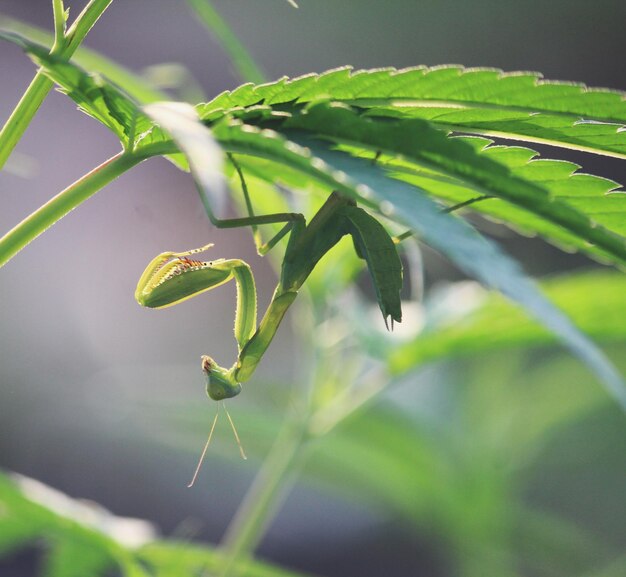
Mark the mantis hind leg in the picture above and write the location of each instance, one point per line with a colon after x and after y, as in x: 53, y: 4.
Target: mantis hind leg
x: 246, y: 195
x: 252, y: 220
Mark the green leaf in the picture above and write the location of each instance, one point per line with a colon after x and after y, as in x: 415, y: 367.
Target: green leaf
x: 373, y: 243
x: 76, y: 548
x: 99, y: 99
x: 518, y: 105
x: 595, y: 301
x: 546, y: 540
x: 77, y: 557
x: 205, y: 156
x: 416, y: 141
x: 171, y: 559
x: 94, y: 95
x: 593, y: 196
x: 456, y: 480
x: 550, y: 199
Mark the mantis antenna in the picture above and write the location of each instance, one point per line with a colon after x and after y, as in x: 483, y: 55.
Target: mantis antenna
x: 232, y: 424
x: 208, y: 442
x: 206, y: 447
x: 173, y: 277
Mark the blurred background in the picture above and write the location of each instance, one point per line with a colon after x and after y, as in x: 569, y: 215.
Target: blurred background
x: 105, y: 401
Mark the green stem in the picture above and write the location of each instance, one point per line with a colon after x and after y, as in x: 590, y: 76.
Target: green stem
x: 38, y: 89
x: 57, y: 207
x: 23, y: 113
x: 265, y: 496
x: 83, y: 24
x: 59, y: 25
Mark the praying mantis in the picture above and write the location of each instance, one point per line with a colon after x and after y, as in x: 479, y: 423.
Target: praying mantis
x: 172, y: 277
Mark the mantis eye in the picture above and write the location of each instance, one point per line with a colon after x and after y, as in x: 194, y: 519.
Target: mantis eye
x: 207, y: 364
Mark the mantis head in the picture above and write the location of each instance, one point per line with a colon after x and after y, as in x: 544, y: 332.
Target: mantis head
x: 220, y: 383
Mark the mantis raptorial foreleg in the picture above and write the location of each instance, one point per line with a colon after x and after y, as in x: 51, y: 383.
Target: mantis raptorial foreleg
x: 173, y: 277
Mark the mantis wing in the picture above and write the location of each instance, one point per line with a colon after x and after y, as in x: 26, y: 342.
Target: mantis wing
x: 373, y: 244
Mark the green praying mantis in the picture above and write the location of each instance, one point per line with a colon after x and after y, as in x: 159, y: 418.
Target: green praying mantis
x: 173, y: 277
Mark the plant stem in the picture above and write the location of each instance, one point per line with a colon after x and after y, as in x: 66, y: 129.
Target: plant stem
x: 22, y: 114
x: 59, y: 25
x: 38, y: 89
x: 264, y: 497
x: 57, y: 207
x: 83, y: 24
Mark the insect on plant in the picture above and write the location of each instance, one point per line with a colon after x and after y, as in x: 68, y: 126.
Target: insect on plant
x: 408, y: 144
x: 173, y: 277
